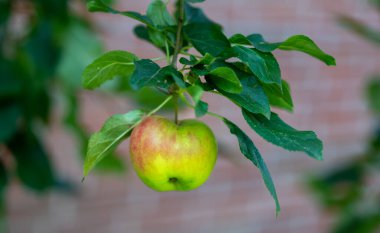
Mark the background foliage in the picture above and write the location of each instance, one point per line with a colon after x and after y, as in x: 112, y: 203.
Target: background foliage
x: 348, y: 190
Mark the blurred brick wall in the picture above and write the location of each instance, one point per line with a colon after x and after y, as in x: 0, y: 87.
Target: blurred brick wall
x: 327, y: 99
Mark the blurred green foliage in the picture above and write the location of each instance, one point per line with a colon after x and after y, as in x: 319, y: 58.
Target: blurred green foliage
x: 44, y: 47
x: 348, y: 190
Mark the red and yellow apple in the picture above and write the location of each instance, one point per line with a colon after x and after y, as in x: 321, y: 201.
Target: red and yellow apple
x: 173, y: 157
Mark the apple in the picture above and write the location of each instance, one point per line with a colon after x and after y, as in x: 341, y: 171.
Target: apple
x: 173, y: 157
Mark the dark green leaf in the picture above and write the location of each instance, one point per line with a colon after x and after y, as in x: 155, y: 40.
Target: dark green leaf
x: 279, y: 133
x: 201, y: 109
x: 279, y: 97
x: 252, y: 98
x: 196, y: 93
x: 9, y: 115
x: 100, y: 6
x: 258, y: 41
x: 108, y: 66
x: 114, y: 131
x: 145, y: 71
x: 207, y: 38
x: 3, y: 180
x: 239, y: 39
x: 226, y: 79
x: 158, y: 14
x: 167, y: 76
x: 196, y: 15
x: 249, y: 150
x: 264, y: 66
x: 373, y: 95
x: 33, y: 167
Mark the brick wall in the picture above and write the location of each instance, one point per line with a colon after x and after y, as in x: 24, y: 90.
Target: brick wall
x: 328, y: 100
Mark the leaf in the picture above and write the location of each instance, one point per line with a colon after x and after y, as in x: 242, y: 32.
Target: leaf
x: 265, y: 67
x: 108, y: 66
x: 170, y: 75
x: 196, y: 93
x: 111, y: 163
x: 9, y: 115
x: 144, y: 73
x: 201, y: 109
x: 159, y: 15
x: 305, y: 44
x: 360, y: 29
x: 194, y: 1
x: 33, y: 167
x: 279, y: 97
x: 196, y: 15
x: 279, y: 133
x: 239, y: 39
x: 373, y: 95
x: 116, y: 129
x: 100, y: 6
x: 226, y: 79
x: 299, y: 43
x: 249, y: 150
x: 4, y: 179
x: 80, y: 48
x: 207, y: 38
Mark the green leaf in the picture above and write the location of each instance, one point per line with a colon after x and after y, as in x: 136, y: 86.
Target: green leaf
x: 373, y: 95
x: 4, y: 179
x: 279, y: 97
x: 196, y: 93
x: 80, y: 48
x: 252, y: 97
x: 33, y: 167
x: 258, y: 41
x: 249, y: 150
x: 196, y: 15
x: 144, y: 73
x: 360, y: 29
x: 100, y: 6
x: 111, y: 163
x: 226, y: 79
x: 170, y: 75
x: 201, y: 109
x: 9, y: 115
x: 159, y: 15
x: 108, y: 66
x: 194, y: 1
x: 264, y: 66
x: 299, y: 43
x: 207, y: 38
x: 279, y: 133
x: 114, y: 131
x: 305, y: 44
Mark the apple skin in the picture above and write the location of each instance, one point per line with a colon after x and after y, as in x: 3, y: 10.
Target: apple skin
x: 171, y: 157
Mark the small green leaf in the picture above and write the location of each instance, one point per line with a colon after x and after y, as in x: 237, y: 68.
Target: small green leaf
x: 201, y: 109
x: 144, y: 73
x: 108, y: 66
x: 168, y: 75
x: 196, y: 93
x: 249, y: 150
x: 114, y: 131
x: 279, y: 97
x: 100, y: 6
x: 373, y: 95
x: 159, y: 15
x: 207, y: 38
x: 305, y: 44
x: 226, y: 79
x: 279, y: 133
